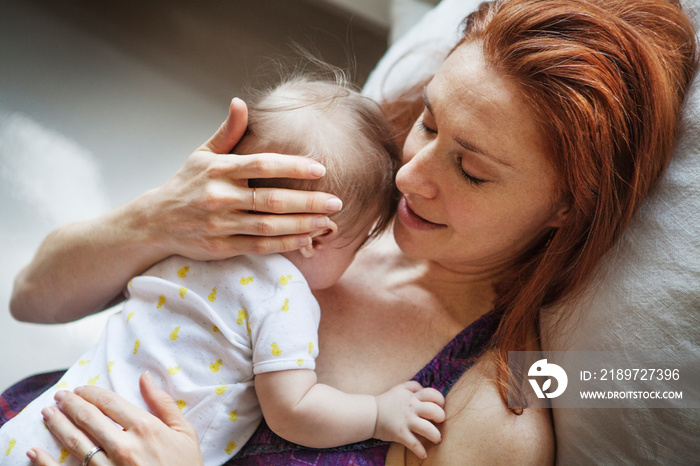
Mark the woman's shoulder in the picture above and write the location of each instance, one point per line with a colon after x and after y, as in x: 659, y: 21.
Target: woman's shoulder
x: 479, y: 429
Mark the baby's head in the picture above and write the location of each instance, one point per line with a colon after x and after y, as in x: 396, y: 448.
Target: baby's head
x: 348, y: 134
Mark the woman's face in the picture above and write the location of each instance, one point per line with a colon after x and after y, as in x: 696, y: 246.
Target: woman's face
x: 477, y: 186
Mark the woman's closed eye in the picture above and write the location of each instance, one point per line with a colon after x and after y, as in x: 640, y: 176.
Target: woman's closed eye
x: 468, y: 176
x: 471, y: 178
x: 424, y: 128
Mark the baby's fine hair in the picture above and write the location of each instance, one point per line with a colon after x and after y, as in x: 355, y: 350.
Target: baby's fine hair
x: 330, y: 122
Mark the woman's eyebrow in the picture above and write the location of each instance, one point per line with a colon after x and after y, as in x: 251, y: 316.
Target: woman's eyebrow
x: 465, y: 144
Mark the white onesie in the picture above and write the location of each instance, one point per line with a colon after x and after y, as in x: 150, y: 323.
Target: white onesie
x: 203, y: 330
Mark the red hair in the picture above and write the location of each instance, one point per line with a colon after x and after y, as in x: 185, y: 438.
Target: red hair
x: 606, y: 80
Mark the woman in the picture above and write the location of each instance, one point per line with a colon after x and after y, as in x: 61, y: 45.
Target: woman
x: 534, y: 144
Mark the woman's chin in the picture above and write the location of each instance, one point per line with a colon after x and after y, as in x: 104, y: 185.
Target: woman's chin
x: 411, y: 244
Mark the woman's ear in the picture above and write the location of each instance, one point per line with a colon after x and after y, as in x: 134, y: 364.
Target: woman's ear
x: 558, y: 218
x: 319, y: 240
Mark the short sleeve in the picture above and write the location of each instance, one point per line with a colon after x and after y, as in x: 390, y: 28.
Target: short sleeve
x: 284, y: 330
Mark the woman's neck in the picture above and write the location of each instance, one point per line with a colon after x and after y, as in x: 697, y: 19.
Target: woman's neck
x: 464, y: 295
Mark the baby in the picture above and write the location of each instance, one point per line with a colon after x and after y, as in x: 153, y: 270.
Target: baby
x: 236, y: 338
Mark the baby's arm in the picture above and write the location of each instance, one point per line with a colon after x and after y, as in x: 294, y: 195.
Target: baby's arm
x: 303, y: 411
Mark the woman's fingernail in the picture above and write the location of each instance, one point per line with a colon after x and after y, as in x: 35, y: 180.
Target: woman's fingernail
x: 334, y: 205
x: 317, y: 169
x: 31, y: 454
x: 304, y: 241
x: 148, y: 377
x: 59, y: 395
x: 321, y: 222
x: 47, y: 412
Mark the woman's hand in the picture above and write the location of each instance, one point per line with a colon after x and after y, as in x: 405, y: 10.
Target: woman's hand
x: 164, y: 438
x: 204, y: 210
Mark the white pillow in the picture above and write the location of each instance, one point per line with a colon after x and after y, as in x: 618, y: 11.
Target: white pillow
x: 649, y: 293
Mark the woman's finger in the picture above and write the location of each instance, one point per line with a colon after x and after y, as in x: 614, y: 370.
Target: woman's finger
x: 230, y: 131
x: 41, y: 458
x: 94, y: 404
x: 237, y: 223
x: 271, y: 165
x: 286, y: 201
x: 162, y: 405
x: 76, y: 441
x: 263, y: 245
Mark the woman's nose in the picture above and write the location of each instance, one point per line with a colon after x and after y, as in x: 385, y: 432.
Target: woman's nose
x: 417, y: 175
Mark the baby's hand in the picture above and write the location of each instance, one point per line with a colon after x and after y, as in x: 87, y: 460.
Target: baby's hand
x: 407, y: 410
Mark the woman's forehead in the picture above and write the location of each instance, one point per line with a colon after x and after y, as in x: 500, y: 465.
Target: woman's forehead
x: 476, y: 103
x: 464, y: 81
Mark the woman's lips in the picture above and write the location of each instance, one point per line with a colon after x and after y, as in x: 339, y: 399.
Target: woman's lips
x: 412, y: 220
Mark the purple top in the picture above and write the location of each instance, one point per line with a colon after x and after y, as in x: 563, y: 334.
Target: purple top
x: 266, y: 448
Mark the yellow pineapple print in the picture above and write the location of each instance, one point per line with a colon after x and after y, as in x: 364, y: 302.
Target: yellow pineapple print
x: 233, y: 416
x: 219, y: 390
x: 311, y: 346
x: 83, y: 362
x: 60, y: 385
x: 110, y: 364
x: 246, y: 280
x: 181, y: 404
x: 172, y: 370
x: 161, y: 301
x: 173, y: 334
x: 64, y: 455
x: 285, y: 279
x: 285, y: 306
x: 129, y: 316
x: 182, y: 273
x: 242, y: 315
x: 212, y: 295
x: 183, y: 292
x: 93, y: 380
x: 137, y: 343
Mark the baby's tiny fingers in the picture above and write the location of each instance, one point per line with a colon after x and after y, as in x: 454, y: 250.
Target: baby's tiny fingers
x: 412, y: 386
x: 412, y: 443
x: 431, y: 395
x: 431, y: 412
x: 428, y: 430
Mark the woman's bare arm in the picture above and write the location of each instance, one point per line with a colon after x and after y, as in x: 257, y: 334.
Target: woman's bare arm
x: 201, y: 212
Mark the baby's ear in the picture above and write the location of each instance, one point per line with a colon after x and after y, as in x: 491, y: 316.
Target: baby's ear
x: 320, y: 240
x: 308, y: 250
